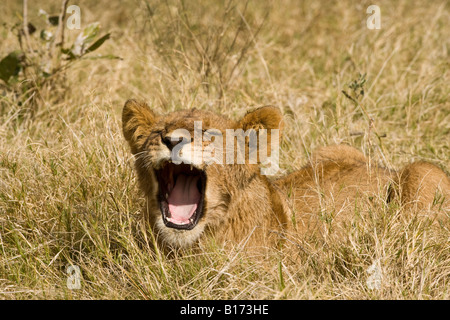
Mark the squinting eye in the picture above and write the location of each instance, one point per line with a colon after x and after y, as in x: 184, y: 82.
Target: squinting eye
x: 212, y: 132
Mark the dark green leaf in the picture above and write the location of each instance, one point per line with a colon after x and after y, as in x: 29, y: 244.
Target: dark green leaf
x: 98, y: 43
x: 69, y: 53
x: 54, y: 20
x: 10, y: 66
x: 31, y: 28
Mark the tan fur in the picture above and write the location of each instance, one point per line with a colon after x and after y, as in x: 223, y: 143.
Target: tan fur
x: 243, y: 205
x: 421, y: 185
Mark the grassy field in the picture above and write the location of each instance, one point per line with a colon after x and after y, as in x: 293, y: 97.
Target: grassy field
x: 68, y: 193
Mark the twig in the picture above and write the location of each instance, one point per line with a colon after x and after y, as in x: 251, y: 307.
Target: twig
x: 59, y: 36
x: 25, y: 22
x: 29, y: 51
x: 357, y: 103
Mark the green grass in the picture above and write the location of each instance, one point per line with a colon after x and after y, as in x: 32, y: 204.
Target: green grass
x: 68, y: 193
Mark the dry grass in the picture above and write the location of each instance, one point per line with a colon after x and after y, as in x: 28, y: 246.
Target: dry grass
x: 68, y: 193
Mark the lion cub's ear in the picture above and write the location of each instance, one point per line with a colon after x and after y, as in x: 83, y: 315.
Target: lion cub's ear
x: 137, y: 121
x: 267, y: 117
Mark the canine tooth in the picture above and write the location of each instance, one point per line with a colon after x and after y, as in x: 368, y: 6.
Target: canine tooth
x: 167, y: 195
x: 191, y: 167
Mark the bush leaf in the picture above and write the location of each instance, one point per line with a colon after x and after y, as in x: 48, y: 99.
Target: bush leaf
x: 86, y: 36
x: 53, y: 20
x: 98, y: 43
x: 106, y: 56
x: 10, y: 66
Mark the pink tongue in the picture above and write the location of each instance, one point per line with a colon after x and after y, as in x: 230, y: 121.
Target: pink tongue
x: 183, y: 199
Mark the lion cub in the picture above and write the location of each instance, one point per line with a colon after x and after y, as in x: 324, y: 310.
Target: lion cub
x: 192, y: 191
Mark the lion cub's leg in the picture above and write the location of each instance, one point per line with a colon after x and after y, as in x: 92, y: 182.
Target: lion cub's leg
x: 422, y: 185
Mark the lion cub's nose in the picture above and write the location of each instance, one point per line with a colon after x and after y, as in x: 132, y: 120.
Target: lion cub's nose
x: 171, y: 143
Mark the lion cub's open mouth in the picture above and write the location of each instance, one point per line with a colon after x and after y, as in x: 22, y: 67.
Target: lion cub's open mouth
x: 181, y: 194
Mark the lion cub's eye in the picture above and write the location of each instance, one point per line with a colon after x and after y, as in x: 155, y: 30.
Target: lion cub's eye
x: 169, y: 142
x: 211, y: 133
